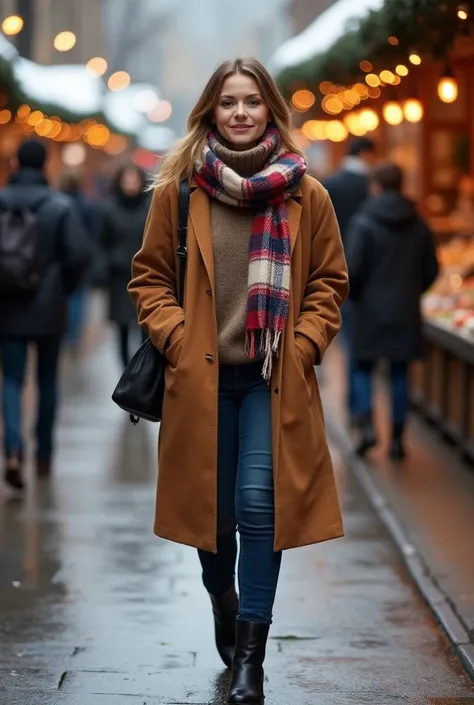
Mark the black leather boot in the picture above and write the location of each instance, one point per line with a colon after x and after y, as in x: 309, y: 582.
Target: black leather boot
x: 225, y: 608
x: 367, y: 435
x: 397, y: 449
x: 246, y: 686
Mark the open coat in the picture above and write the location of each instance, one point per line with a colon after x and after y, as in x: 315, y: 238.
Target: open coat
x: 306, y: 503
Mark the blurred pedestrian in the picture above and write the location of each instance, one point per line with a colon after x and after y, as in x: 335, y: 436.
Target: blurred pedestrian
x: 122, y: 232
x: 43, y: 256
x: 348, y: 189
x: 242, y: 442
x: 392, y: 260
x: 71, y: 183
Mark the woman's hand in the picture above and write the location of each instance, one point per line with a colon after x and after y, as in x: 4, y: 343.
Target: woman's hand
x: 173, y: 350
x: 307, y: 351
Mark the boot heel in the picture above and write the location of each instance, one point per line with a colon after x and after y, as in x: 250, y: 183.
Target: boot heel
x: 246, y: 687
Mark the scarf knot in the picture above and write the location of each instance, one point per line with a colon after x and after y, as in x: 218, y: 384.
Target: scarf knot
x: 269, y: 250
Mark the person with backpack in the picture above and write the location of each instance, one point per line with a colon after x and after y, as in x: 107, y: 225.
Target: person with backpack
x: 392, y: 260
x: 42, y: 261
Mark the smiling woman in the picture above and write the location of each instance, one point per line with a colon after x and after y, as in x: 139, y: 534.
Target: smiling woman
x: 242, y: 445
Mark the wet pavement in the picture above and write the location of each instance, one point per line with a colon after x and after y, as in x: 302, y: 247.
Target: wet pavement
x: 431, y: 493
x: 95, y: 610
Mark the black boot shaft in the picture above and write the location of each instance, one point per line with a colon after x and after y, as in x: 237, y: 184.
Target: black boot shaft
x: 225, y: 609
x: 247, y: 668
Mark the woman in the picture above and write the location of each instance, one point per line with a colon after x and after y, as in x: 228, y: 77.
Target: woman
x: 242, y: 442
x: 392, y: 261
x: 122, y: 232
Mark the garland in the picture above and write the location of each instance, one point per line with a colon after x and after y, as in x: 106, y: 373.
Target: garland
x: 429, y: 27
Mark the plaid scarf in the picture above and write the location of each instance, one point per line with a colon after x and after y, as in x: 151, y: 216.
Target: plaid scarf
x: 269, y: 249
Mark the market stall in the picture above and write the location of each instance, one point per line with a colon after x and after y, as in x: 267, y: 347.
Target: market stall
x: 403, y: 72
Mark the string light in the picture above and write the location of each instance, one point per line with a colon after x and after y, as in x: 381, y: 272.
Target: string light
x: 64, y: 41
x: 463, y: 12
x: 12, y: 25
x: 119, y: 80
x: 413, y: 110
x: 448, y: 89
x: 372, y: 80
x: 303, y: 99
x: 97, y: 66
x: 392, y: 113
x: 415, y: 59
x: 336, y: 131
x: 402, y: 70
x: 369, y: 119
x: 387, y: 76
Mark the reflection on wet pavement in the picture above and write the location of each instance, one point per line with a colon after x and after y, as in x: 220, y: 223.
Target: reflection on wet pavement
x: 95, y: 610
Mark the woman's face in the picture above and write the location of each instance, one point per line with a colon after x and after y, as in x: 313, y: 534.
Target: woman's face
x: 131, y: 183
x: 241, y: 115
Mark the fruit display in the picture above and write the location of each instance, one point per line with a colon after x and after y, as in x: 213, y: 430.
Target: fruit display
x: 450, y: 301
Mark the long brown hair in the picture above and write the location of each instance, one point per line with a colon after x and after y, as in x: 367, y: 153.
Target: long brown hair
x: 179, y: 164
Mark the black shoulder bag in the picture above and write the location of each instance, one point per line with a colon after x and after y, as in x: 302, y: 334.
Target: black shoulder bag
x: 141, y: 388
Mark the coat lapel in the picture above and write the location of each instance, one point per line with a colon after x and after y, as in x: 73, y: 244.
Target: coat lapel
x: 293, y: 210
x: 200, y: 214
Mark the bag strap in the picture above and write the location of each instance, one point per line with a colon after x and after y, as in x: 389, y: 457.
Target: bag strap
x: 182, y: 250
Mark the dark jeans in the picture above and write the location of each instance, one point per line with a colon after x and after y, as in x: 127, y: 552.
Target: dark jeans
x: 245, y: 494
x: 13, y: 357
x: 124, y: 341
x: 363, y: 381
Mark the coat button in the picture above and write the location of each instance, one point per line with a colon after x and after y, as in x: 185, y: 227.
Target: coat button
x: 208, y: 292
x: 209, y: 357
x: 277, y: 390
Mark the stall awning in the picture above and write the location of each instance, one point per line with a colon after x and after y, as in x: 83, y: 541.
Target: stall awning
x: 328, y: 28
x: 70, y: 88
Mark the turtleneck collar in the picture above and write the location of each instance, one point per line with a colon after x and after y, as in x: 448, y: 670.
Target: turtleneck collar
x: 245, y: 163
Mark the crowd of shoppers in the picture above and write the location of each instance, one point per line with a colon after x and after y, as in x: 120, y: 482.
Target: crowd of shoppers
x: 54, y: 246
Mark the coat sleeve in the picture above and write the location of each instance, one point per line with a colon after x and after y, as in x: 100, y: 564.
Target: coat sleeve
x: 327, y: 284
x: 357, y: 254
x: 153, y: 285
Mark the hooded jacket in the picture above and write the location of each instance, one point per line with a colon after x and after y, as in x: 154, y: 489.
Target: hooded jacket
x: 392, y: 260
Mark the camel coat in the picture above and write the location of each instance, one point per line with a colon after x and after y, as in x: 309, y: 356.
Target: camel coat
x: 306, y: 503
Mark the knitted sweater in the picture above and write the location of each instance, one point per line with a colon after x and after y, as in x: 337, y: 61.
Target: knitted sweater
x: 231, y: 229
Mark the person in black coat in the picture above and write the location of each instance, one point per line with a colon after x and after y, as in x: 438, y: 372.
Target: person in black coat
x: 348, y: 189
x: 392, y: 260
x: 349, y: 186
x: 63, y: 252
x: 71, y: 183
x: 123, y: 225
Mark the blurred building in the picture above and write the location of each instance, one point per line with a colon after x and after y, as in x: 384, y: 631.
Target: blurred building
x: 303, y: 12
x: 45, y: 19
x: 178, y: 44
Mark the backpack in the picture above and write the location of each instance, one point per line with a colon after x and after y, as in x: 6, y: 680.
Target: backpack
x: 19, y: 251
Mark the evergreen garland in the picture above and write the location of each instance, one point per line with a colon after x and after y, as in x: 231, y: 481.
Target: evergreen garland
x: 429, y: 27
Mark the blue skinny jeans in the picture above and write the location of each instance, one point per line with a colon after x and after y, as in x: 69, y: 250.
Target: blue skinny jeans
x: 245, y: 495
x: 399, y: 382
x: 13, y: 360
